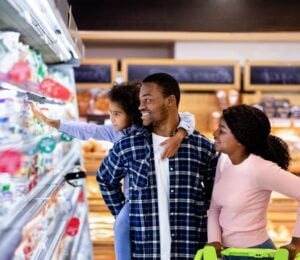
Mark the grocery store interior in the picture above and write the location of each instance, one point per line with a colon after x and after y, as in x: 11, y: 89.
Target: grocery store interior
x: 64, y: 56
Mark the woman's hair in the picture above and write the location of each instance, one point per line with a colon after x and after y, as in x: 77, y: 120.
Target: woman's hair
x: 127, y: 96
x: 251, y: 127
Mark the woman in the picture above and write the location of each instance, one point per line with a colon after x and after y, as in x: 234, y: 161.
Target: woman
x: 253, y: 163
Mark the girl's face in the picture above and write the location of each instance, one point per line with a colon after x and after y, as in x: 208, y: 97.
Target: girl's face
x: 118, y: 117
x: 225, y: 141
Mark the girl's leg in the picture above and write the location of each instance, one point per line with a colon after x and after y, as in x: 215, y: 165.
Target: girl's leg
x: 122, y: 234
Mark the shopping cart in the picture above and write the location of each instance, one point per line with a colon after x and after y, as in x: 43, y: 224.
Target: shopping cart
x: 209, y: 253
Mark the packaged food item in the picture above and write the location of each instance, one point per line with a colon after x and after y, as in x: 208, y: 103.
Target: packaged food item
x: 101, y: 103
x: 84, y: 99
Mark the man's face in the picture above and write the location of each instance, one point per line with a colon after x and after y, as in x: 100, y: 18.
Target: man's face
x: 153, y: 105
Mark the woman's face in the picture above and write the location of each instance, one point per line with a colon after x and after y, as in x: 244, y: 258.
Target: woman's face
x: 119, y: 119
x: 225, y: 141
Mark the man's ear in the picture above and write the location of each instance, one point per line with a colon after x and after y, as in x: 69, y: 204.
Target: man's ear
x: 171, y: 100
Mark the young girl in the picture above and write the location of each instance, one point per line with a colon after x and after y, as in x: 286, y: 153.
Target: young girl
x: 253, y: 163
x: 125, y: 116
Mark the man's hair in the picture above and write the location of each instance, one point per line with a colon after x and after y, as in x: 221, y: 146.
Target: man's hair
x: 167, y: 83
x: 127, y: 96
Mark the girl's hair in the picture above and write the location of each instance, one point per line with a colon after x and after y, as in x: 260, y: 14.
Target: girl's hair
x: 127, y: 96
x: 251, y: 127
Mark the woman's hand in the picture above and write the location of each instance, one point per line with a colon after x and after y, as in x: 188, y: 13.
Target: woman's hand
x: 293, y: 247
x: 218, y: 246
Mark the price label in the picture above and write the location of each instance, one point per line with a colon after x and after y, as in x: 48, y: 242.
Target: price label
x: 72, y: 227
x: 47, y: 144
x: 66, y: 138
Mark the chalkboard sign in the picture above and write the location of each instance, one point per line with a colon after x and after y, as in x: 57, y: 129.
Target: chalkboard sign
x: 96, y: 73
x: 93, y: 74
x: 272, y: 76
x: 190, y: 74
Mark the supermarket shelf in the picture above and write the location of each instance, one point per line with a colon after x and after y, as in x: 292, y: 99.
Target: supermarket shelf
x: 42, y: 27
x: 35, y: 200
x: 47, y: 250
x: 93, y: 85
x: 76, y: 244
x: 30, y: 89
x: 28, y: 144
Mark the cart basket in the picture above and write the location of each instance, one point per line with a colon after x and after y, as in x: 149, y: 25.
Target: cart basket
x: 209, y: 253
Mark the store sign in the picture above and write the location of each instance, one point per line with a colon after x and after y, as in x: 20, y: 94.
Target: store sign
x: 191, y: 75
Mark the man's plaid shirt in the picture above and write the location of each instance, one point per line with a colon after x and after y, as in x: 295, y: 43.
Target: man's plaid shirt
x: 191, y: 171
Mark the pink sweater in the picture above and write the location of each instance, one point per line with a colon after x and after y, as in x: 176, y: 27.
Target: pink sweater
x: 238, y: 212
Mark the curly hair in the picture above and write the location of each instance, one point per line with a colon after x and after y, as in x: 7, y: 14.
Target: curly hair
x: 127, y: 96
x: 251, y: 127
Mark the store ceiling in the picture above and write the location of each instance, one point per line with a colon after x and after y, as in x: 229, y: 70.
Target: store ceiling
x: 189, y: 16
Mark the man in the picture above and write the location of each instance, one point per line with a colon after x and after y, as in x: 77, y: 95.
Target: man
x: 168, y: 198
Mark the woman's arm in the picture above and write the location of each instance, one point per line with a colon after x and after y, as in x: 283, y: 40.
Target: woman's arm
x: 214, y: 230
x: 274, y: 178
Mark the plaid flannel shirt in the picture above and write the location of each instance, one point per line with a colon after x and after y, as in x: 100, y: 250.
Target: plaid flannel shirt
x: 191, y: 171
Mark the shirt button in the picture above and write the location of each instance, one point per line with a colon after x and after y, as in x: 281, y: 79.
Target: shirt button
x: 172, y: 190
x: 173, y: 235
x: 172, y: 213
x: 171, y: 169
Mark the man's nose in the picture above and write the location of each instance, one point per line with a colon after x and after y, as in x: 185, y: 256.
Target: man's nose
x: 141, y: 106
x: 215, y: 133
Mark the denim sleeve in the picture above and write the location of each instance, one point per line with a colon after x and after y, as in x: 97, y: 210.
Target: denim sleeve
x: 84, y: 131
x: 187, y: 122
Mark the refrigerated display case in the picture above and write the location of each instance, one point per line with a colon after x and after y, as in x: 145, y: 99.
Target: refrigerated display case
x: 37, y: 204
x: 43, y: 205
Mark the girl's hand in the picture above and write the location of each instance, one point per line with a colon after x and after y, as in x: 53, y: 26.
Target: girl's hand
x: 40, y: 116
x: 172, y: 144
x: 218, y: 246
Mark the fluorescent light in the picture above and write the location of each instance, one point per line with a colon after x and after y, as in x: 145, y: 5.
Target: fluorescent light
x: 45, y: 21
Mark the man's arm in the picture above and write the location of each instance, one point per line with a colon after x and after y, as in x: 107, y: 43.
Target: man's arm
x: 109, y: 177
